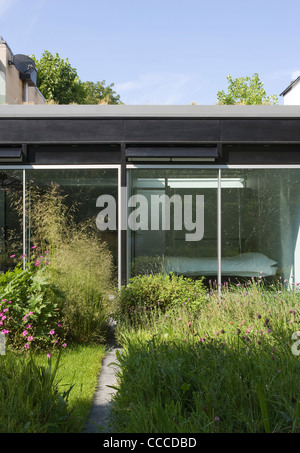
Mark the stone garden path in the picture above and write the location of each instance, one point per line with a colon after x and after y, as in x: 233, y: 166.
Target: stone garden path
x: 98, y: 420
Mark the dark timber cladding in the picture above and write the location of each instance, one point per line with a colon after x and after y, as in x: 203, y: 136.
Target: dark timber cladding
x: 101, y: 134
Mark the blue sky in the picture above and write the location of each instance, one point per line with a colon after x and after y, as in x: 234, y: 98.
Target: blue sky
x: 162, y: 51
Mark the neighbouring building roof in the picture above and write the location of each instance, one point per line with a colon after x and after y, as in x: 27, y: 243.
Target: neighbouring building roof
x: 290, y: 86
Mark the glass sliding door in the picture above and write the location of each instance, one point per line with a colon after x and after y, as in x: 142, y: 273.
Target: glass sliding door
x: 11, y: 216
x: 60, y: 197
x: 260, y: 223
x: 172, y: 222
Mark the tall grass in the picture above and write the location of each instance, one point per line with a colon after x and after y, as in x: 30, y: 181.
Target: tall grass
x: 29, y: 397
x: 85, y: 271
x: 225, y: 367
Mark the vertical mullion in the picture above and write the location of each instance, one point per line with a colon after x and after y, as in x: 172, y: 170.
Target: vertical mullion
x: 123, y: 217
x: 219, y: 220
x: 119, y: 228
x: 24, y: 218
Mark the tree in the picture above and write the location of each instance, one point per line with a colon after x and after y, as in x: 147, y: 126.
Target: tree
x: 58, y: 82
x: 98, y: 93
x: 245, y: 91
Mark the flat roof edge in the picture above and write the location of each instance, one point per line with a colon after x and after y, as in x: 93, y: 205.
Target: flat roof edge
x: 149, y: 111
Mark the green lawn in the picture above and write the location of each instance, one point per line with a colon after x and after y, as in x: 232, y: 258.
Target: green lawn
x: 32, y: 390
x: 79, y: 366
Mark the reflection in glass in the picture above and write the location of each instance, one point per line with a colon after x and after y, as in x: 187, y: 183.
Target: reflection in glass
x: 11, y: 193
x: 69, y: 194
x: 260, y: 224
x: 176, y: 222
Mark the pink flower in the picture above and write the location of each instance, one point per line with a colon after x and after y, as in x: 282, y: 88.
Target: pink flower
x: 30, y: 338
x: 30, y: 313
x: 24, y: 333
x: 5, y: 309
x: 59, y: 325
x: 28, y: 327
x: 34, y: 247
x: 3, y: 317
x: 26, y: 346
x: 52, y: 332
x: 47, y: 251
x: 9, y: 301
x: 64, y: 345
x: 5, y: 331
x: 23, y: 256
x: 12, y: 256
x: 48, y: 355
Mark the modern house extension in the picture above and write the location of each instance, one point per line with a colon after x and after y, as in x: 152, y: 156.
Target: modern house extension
x: 209, y: 191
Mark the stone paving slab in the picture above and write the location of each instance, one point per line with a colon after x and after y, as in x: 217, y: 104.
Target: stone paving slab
x: 98, y: 420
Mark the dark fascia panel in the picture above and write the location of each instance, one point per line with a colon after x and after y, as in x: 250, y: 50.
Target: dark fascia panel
x: 164, y: 151
x: 10, y: 154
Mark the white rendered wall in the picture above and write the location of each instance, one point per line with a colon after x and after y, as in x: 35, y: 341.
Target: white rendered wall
x: 292, y: 97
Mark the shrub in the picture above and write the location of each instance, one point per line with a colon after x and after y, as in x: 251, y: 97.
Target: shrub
x: 148, y: 292
x: 29, y: 306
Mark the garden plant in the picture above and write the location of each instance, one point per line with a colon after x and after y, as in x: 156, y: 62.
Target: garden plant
x: 229, y: 364
x: 54, y: 305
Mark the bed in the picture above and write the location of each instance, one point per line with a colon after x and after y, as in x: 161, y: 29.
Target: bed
x: 244, y: 265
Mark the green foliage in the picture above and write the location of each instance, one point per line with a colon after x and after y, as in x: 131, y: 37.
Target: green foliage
x: 57, y: 80
x: 228, y: 367
x: 159, y: 291
x: 29, y: 306
x: 29, y: 398
x: 83, y: 263
x: 79, y: 366
x: 59, y: 83
x: 245, y: 91
x: 98, y: 93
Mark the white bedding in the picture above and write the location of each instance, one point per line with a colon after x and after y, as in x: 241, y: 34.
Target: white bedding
x: 245, y: 265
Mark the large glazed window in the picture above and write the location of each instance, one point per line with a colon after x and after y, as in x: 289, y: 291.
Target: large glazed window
x: 173, y: 221
x: 58, y: 196
x: 11, y: 209
x: 260, y: 223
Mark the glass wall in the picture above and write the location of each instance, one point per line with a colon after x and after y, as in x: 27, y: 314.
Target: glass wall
x: 173, y: 217
x: 67, y: 198
x: 11, y: 215
x: 260, y: 223
x: 173, y: 221
x: 259, y: 218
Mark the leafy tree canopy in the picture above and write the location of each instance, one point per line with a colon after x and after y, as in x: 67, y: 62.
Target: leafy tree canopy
x: 59, y: 83
x: 245, y: 91
x: 98, y: 93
